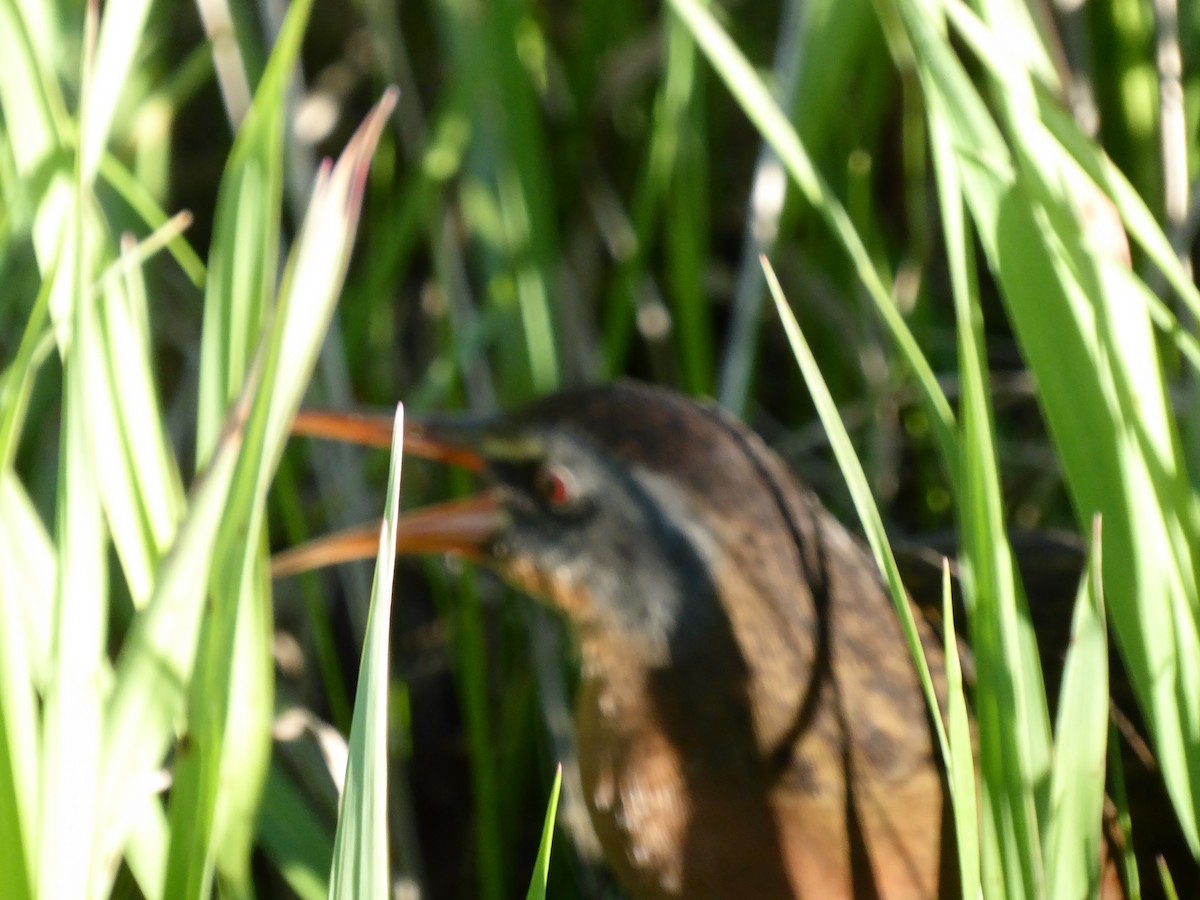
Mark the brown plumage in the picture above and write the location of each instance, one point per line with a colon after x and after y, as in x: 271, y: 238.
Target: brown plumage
x: 750, y: 722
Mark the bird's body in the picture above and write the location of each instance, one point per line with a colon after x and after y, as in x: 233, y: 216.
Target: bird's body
x: 750, y: 720
x: 772, y: 712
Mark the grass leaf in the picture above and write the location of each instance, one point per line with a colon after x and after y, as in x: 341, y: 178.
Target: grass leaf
x: 541, y: 867
x: 360, y: 849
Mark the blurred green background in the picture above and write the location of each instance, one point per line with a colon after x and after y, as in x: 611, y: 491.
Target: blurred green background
x: 564, y: 193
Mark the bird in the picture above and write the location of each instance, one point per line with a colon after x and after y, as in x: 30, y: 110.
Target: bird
x: 749, y: 718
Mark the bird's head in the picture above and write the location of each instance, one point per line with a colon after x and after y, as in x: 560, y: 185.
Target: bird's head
x: 604, y: 501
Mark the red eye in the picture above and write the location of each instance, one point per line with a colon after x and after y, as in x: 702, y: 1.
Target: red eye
x: 555, y: 486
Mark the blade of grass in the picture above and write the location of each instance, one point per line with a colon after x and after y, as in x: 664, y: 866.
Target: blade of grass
x: 1071, y: 309
x: 864, y: 503
x: 1116, y: 786
x: 758, y: 104
x: 72, y: 710
x: 146, y: 851
x: 243, y: 266
x: 687, y: 238
x: 116, y: 51
x: 228, y: 776
x: 1074, y: 840
x: 26, y: 578
x: 360, y: 847
x: 1168, y: 882
x: 17, y: 385
x: 32, y: 565
x: 960, y: 765
x: 1013, y: 760
x: 1136, y: 216
x: 141, y: 487
x: 156, y: 660
x: 541, y: 867
x: 233, y: 645
x: 29, y: 92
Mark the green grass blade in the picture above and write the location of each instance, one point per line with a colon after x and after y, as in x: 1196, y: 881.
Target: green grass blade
x: 1013, y: 760
x: 960, y: 765
x: 141, y: 488
x: 758, y: 104
x: 72, y: 720
x: 116, y: 52
x: 1074, y: 842
x: 243, y: 265
x: 17, y: 383
x: 1127, y: 862
x: 29, y: 93
x: 541, y: 867
x: 687, y: 238
x: 1168, y: 882
x: 27, y: 569
x: 360, y: 847
x: 1076, y: 311
x: 222, y: 781
x: 157, y: 658
x: 860, y: 491
x: 1135, y: 215
x: 32, y: 565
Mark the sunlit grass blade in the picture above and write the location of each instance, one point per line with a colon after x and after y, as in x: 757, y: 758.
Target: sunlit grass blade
x: 243, y: 263
x: 73, y: 702
x: 860, y: 491
x: 32, y: 570
x: 155, y: 665
x: 221, y: 780
x: 1135, y: 214
x: 541, y: 867
x: 72, y: 711
x: 960, y: 764
x: 1076, y: 311
x: 242, y: 278
x: 1074, y: 840
x: 758, y: 104
x: 1010, y: 705
x: 27, y: 570
x: 29, y: 92
x: 116, y: 52
x: 141, y: 489
x: 156, y: 660
x: 360, y: 849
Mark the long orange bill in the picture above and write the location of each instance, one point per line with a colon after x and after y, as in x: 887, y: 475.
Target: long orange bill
x: 421, y: 439
x: 464, y: 527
